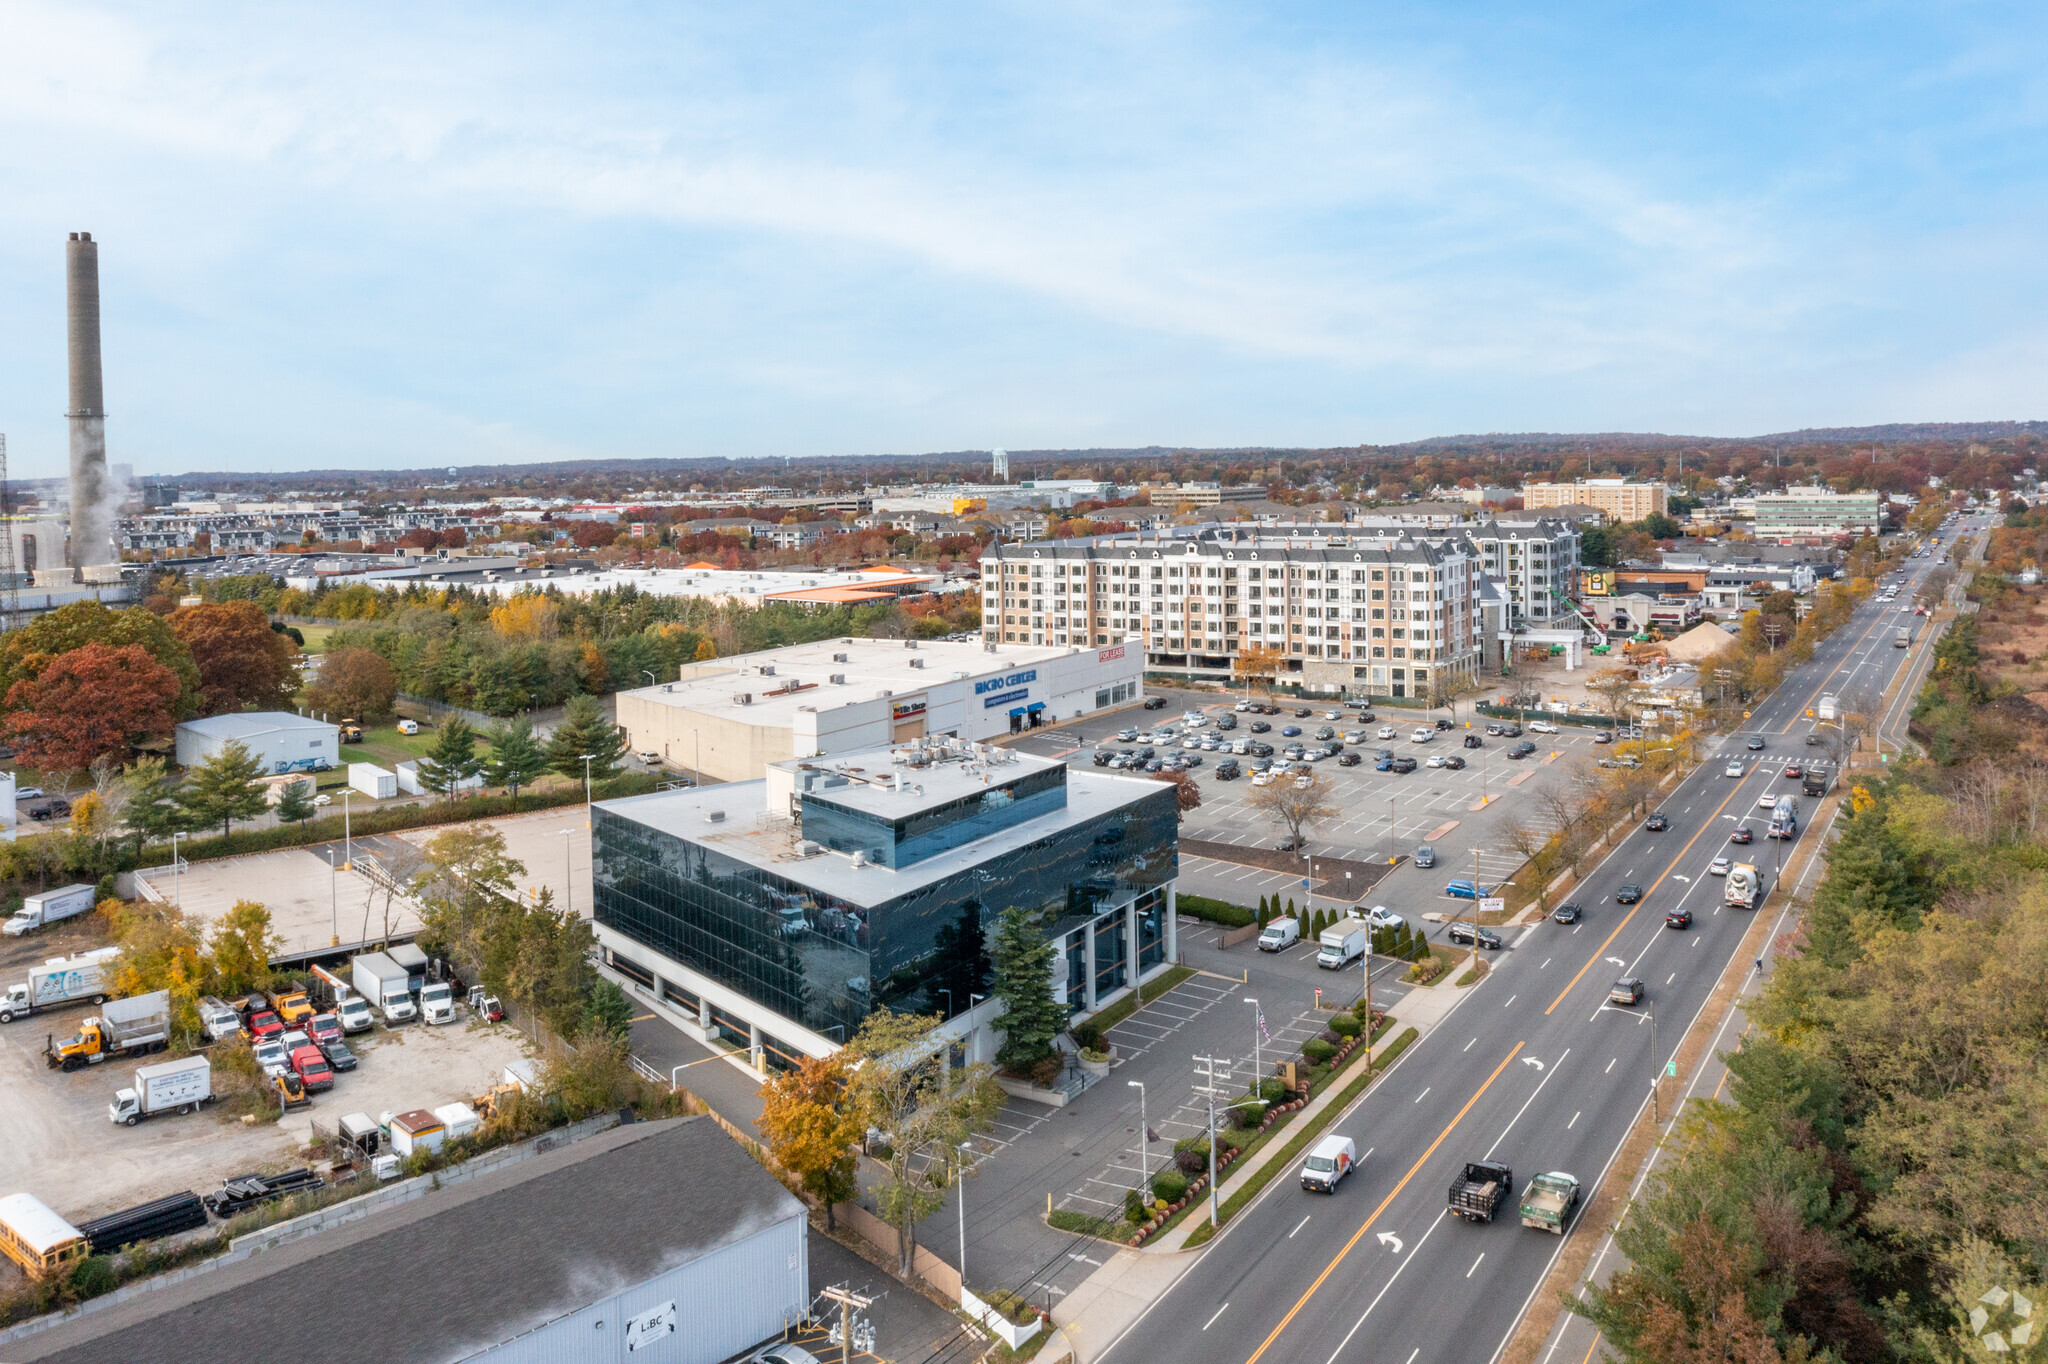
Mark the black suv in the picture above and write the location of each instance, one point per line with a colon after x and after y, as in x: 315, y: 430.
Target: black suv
x: 1443, y: 724
x: 1678, y: 918
x: 1349, y: 760
x: 1656, y: 824
x: 1155, y: 703
x: 1488, y: 939
x: 1404, y: 764
x: 1226, y: 770
x: 1568, y: 913
x: 1474, y: 741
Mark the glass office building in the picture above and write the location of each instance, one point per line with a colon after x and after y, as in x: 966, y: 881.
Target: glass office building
x: 782, y: 912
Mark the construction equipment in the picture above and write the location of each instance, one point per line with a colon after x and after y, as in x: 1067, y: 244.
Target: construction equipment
x: 351, y: 731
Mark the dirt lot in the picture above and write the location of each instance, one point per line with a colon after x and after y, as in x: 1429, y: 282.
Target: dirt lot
x: 63, y: 1148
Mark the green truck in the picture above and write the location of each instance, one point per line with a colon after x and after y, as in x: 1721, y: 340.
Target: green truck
x: 1548, y: 1201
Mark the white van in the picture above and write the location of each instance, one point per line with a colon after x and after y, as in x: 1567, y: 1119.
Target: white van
x: 1280, y: 934
x: 1328, y: 1163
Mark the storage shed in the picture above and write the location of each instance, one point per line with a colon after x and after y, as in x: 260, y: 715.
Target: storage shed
x: 279, y: 740
x: 653, y: 1243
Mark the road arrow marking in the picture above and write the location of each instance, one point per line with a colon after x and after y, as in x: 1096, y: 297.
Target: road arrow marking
x: 1532, y: 1061
x: 1617, y: 961
x: 1391, y: 1241
x: 1676, y: 877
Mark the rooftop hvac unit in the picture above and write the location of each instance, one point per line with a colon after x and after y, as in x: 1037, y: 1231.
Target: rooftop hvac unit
x: 745, y: 698
x: 714, y: 816
x: 839, y: 658
x: 884, y: 694
x: 767, y: 670
x: 837, y: 679
x: 806, y: 848
x: 960, y: 674
x: 917, y: 663
x: 860, y: 858
x: 668, y: 686
x: 910, y: 644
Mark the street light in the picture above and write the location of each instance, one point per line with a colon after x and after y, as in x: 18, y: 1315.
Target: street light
x: 1144, y: 1170
x: 586, y: 781
x: 333, y: 899
x: 568, y: 869
x: 960, y: 1180
x: 949, y: 1000
x: 177, y: 900
x: 1258, y: 1067
x: 348, y: 856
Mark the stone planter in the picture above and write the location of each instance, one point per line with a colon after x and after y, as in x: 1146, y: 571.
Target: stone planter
x: 1098, y: 1067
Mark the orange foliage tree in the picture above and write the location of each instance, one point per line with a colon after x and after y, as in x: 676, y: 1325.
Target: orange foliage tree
x: 91, y: 703
x: 242, y: 662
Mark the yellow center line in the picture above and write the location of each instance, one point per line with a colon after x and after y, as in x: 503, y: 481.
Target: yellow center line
x: 1590, y: 1348
x: 1396, y: 1193
x: 1601, y: 950
x: 1800, y: 713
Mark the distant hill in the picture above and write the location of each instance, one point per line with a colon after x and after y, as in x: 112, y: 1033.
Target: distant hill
x: 1894, y: 433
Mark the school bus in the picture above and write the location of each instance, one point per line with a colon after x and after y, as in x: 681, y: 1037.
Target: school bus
x: 38, y: 1240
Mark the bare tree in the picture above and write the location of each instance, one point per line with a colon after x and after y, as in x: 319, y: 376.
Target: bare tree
x: 403, y: 865
x: 1613, y: 687
x: 1295, y: 803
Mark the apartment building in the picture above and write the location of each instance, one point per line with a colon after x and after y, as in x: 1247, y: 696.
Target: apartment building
x: 1381, y: 610
x: 1619, y: 499
x: 1204, y: 494
x: 1535, y: 563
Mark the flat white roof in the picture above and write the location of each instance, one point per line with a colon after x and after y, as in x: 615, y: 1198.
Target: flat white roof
x: 751, y: 835
x: 699, y: 582
x: 42, y: 1230
x: 872, y: 666
x: 870, y: 778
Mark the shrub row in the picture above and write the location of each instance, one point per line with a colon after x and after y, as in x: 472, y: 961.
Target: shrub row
x: 1213, y: 911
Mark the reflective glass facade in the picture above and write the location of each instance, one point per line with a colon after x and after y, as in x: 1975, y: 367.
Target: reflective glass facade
x: 826, y: 962
x: 845, y: 827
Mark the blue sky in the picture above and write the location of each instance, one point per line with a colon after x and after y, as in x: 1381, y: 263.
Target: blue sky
x: 387, y: 235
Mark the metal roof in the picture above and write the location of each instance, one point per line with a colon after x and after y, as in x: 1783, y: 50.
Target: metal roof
x: 251, y: 724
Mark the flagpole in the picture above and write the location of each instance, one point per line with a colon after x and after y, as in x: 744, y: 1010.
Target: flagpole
x: 1258, y: 1066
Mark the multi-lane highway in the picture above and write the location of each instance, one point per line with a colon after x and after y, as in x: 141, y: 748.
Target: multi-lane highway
x: 1533, y: 1068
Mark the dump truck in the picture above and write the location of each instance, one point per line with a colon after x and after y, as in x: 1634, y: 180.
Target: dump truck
x: 1480, y: 1189
x: 60, y: 980
x: 1814, y: 781
x: 166, y: 1087
x: 290, y: 1004
x: 1744, y: 887
x: 51, y: 906
x: 1548, y: 1201
x: 138, y: 1026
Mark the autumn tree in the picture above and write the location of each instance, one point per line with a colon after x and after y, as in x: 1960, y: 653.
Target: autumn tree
x: 463, y: 891
x: 92, y: 703
x: 813, y: 1126
x: 243, y: 664
x: 1187, y: 792
x: 224, y: 789
x: 354, y: 683
x: 925, y: 1110
x: 28, y: 651
x: 1296, y: 803
x: 242, y: 946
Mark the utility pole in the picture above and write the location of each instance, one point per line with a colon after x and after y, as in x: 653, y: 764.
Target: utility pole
x: 849, y: 1303
x: 1208, y: 1091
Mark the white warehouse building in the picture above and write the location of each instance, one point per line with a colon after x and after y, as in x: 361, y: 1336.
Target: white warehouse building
x: 728, y: 719
x: 279, y: 740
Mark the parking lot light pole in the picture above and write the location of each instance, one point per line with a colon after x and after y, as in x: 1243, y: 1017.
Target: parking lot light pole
x: 177, y: 899
x: 348, y: 845
x: 960, y: 1181
x: 1258, y: 1066
x: 1144, y: 1170
x: 568, y: 869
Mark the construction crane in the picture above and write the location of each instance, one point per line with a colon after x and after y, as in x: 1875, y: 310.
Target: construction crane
x: 10, y: 587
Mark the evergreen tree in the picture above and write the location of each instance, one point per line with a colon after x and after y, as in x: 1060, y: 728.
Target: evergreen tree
x: 223, y: 788
x: 1023, y: 981
x: 1320, y: 923
x: 152, y: 809
x: 295, y: 806
x: 516, y: 757
x: 1264, y: 912
x: 585, y: 731
x: 452, y: 760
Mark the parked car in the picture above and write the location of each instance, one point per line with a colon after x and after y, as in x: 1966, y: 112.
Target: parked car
x: 1227, y: 770
x: 1384, y: 732
x: 1261, y: 727
x: 338, y: 1055
x: 1455, y: 763
x: 1628, y: 894
x: 1302, y: 713
x: 1421, y: 736
x: 1605, y: 736
x: 1743, y: 835
x: 1495, y: 729
x: 1325, y: 732
x: 1404, y: 765
x: 1379, y: 916
x: 1288, y: 843
x: 1384, y: 763
x: 1567, y: 913
x: 1627, y: 990
x: 1678, y: 918
x: 1445, y: 724
x: 1436, y: 760
x: 29, y: 793
x: 1349, y: 760
x: 1280, y: 934
x: 1542, y: 727
x: 1522, y: 749
x: 1464, y: 890
x: 1511, y: 731
x: 1127, y: 735
x: 1289, y: 731
x: 1474, y: 741
x: 1461, y: 933
x: 1155, y: 703
x: 1656, y: 824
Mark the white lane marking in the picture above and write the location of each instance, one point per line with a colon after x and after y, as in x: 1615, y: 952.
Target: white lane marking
x: 1468, y: 1045
x: 1575, y: 1120
x: 1298, y: 1226
x: 1475, y: 1264
x: 1546, y: 962
x: 1673, y: 976
x: 1610, y: 1067
x: 1511, y: 1001
x: 1219, y: 1312
x: 1420, y: 1097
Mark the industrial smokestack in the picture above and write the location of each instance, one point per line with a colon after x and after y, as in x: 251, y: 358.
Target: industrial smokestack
x: 92, y: 493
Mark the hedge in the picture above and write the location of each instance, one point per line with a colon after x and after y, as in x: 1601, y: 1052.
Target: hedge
x: 390, y: 819
x: 1215, y: 911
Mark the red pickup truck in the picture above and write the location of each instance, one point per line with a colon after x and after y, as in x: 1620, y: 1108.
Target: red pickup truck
x: 312, y: 1069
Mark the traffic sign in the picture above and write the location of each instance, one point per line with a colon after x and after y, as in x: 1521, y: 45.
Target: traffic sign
x: 1671, y: 1068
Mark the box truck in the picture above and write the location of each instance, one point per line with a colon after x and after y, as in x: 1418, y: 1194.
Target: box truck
x: 414, y: 961
x: 49, y: 907
x: 137, y: 1026
x: 1342, y: 944
x: 381, y: 981
x: 1830, y: 709
x: 60, y: 980
x: 166, y: 1087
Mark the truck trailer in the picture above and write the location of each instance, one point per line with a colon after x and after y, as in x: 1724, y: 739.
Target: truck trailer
x: 166, y: 1087
x: 49, y: 907
x: 60, y: 980
x: 138, y: 1026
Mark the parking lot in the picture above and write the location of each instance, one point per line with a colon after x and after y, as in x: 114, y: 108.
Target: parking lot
x: 63, y: 1148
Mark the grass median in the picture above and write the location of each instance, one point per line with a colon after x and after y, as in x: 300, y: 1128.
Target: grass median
x: 1302, y: 1136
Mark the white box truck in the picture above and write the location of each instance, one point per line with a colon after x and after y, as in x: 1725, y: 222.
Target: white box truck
x: 60, y: 980
x: 381, y: 981
x: 373, y: 781
x: 39, y: 911
x: 1830, y: 708
x: 166, y: 1087
x: 1342, y: 944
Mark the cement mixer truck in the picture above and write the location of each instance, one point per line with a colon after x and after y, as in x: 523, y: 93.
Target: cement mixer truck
x: 1745, y: 887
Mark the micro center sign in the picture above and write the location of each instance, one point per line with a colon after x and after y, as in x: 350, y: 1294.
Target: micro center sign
x: 998, y: 691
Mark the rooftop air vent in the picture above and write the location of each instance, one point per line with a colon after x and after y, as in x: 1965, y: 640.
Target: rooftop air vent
x: 839, y: 658
x: 860, y: 858
x: 960, y: 674
x: 714, y: 816
x: 910, y: 644
x: 668, y: 686
x: 836, y: 679
x: 745, y: 698
x: 767, y: 670
x: 917, y: 663
x: 806, y: 848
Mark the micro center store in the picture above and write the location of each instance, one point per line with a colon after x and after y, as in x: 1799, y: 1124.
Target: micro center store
x: 728, y: 719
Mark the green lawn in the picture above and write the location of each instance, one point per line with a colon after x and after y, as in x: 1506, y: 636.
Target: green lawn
x: 316, y: 636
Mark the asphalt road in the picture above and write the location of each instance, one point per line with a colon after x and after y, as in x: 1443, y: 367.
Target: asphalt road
x: 1533, y: 1068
